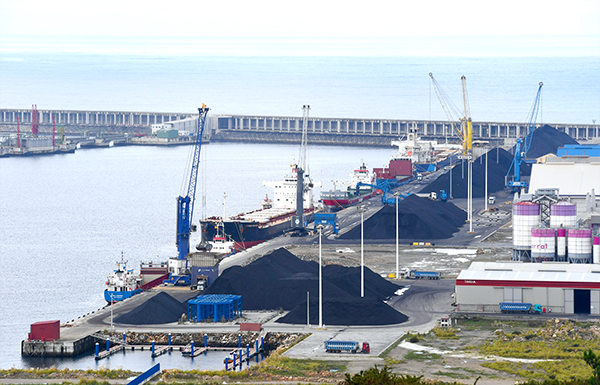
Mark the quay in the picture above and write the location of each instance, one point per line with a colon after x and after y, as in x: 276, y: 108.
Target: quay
x: 341, y: 131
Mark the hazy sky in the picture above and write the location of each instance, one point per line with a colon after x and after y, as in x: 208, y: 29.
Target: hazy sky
x: 391, y: 27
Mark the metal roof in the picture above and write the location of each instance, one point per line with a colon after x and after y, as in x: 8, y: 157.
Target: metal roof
x: 550, y: 272
x: 572, y: 179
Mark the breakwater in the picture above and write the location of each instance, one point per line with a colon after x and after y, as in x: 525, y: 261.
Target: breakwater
x: 343, y: 131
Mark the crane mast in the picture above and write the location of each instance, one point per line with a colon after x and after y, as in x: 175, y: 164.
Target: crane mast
x: 298, y: 219
x: 185, y: 204
x: 467, y: 124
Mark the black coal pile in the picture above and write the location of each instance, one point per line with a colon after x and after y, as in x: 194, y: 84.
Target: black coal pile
x: 418, y: 219
x: 546, y: 140
x: 344, y: 311
x: 280, y: 280
x: 499, y: 162
x: 160, y: 309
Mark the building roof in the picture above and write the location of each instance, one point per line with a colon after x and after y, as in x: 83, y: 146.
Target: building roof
x: 523, y: 274
x: 571, y: 178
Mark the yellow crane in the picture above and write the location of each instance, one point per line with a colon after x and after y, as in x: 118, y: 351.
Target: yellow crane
x: 467, y: 124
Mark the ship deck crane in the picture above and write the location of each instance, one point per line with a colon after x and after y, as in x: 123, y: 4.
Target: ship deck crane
x: 514, y: 181
x: 178, y: 268
x: 301, y: 168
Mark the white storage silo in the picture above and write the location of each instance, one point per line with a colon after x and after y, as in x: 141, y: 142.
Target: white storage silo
x: 543, y: 243
x: 563, y: 214
x: 526, y: 216
x: 561, y: 245
x: 579, y: 244
x: 596, y: 249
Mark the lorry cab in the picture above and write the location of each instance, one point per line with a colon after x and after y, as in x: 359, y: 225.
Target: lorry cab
x: 433, y: 196
x: 491, y: 200
x: 537, y: 308
x: 366, y: 348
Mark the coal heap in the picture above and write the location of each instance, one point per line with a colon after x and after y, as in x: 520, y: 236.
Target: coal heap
x: 418, y: 219
x: 499, y: 162
x: 160, y: 309
x: 343, y: 311
x: 546, y: 140
x: 280, y: 280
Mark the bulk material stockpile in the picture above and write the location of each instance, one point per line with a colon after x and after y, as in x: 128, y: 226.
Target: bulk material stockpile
x: 546, y: 140
x: 160, y: 309
x: 418, y: 219
x: 280, y: 280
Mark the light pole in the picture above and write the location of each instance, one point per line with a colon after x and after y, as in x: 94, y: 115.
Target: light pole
x: 397, y: 195
x: 320, y: 228
x: 486, y: 179
x: 361, y: 210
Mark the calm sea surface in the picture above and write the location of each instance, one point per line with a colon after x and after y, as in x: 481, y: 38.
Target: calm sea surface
x: 64, y: 220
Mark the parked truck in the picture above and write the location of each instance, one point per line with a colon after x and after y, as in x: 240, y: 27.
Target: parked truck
x: 347, y: 346
x: 415, y: 274
x: 518, y: 307
x: 443, y: 196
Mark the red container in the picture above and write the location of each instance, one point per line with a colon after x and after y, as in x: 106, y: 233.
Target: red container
x: 250, y: 327
x: 45, y: 331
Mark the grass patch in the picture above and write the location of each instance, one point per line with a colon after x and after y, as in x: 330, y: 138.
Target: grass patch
x: 530, y: 348
x: 560, y: 370
x: 445, y: 333
x: 393, y: 361
x: 422, y: 356
x: 67, y: 373
x: 456, y: 375
x: 283, y: 366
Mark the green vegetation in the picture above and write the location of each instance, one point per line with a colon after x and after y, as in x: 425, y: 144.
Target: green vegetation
x: 445, y: 333
x: 422, y: 356
x: 67, y: 373
x: 375, y: 376
x: 275, y: 364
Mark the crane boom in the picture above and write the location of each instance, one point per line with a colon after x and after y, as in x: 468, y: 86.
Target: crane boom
x: 467, y: 124
x: 514, y: 181
x: 444, y: 100
x: 185, y: 204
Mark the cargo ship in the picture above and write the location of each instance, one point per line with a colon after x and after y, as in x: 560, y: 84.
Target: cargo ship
x: 398, y: 170
x: 273, y: 219
x: 122, y: 283
x: 354, y: 193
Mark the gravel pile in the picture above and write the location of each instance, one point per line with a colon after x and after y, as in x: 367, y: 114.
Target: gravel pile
x: 160, y: 309
x: 280, y: 280
x: 418, y: 219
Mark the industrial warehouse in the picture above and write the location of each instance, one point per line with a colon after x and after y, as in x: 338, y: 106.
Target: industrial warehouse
x: 556, y: 244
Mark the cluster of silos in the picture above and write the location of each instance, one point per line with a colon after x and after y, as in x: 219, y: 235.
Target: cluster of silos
x: 561, y: 241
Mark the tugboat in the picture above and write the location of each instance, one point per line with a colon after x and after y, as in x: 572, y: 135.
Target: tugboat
x: 220, y: 243
x: 122, y: 283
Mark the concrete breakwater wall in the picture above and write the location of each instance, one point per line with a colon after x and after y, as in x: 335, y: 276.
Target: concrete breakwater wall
x: 295, y: 138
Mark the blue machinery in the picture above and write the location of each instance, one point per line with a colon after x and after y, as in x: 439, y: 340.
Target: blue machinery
x: 514, y: 181
x: 385, y: 187
x: 215, y: 307
x: 326, y: 219
x: 185, y: 209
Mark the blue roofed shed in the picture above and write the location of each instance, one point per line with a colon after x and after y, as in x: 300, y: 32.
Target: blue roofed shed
x: 215, y: 307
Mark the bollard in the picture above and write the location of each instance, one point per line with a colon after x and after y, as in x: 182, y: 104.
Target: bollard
x: 107, y: 344
x: 226, y: 364
x: 124, y: 338
x: 247, y: 352
x: 234, y: 360
x: 169, y: 339
x: 152, y: 347
x: 192, y: 349
x: 239, y: 340
x: 241, y: 361
x: 205, y: 341
x: 97, y: 349
x: 256, y: 350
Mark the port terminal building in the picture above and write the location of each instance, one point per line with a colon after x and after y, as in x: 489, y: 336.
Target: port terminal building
x: 559, y: 287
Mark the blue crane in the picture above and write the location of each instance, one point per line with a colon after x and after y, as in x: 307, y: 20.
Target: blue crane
x: 185, y: 209
x: 386, y: 189
x: 514, y: 181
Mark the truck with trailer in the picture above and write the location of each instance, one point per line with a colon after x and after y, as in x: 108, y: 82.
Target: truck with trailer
x: 518, y: 307
x: 347, y: 346
x: 416, y: 274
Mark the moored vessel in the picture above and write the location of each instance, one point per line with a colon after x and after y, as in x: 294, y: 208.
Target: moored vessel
x: 122, y: 283
x: 357, y: 190
x: 273, y: 219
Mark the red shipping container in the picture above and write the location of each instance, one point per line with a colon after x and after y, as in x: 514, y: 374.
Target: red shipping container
x: 45, y: 331
x: 250, y: 327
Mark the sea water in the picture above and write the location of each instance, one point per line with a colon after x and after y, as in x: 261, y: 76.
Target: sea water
x: 65, y: 219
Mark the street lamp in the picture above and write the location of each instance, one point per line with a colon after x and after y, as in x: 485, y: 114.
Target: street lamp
x: 320, y: 228
x: 397, y: 195
x: 361, y: 210
x: 486, y: 178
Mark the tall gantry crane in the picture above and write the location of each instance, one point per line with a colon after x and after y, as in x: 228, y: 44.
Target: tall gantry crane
x: 450, y: 110
x: 514, y: 181
x: 185, y: 209
x: 467, y: 124
x: 301, y: 169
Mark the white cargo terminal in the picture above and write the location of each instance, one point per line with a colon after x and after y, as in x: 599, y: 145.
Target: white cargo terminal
x: 558, y: 287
